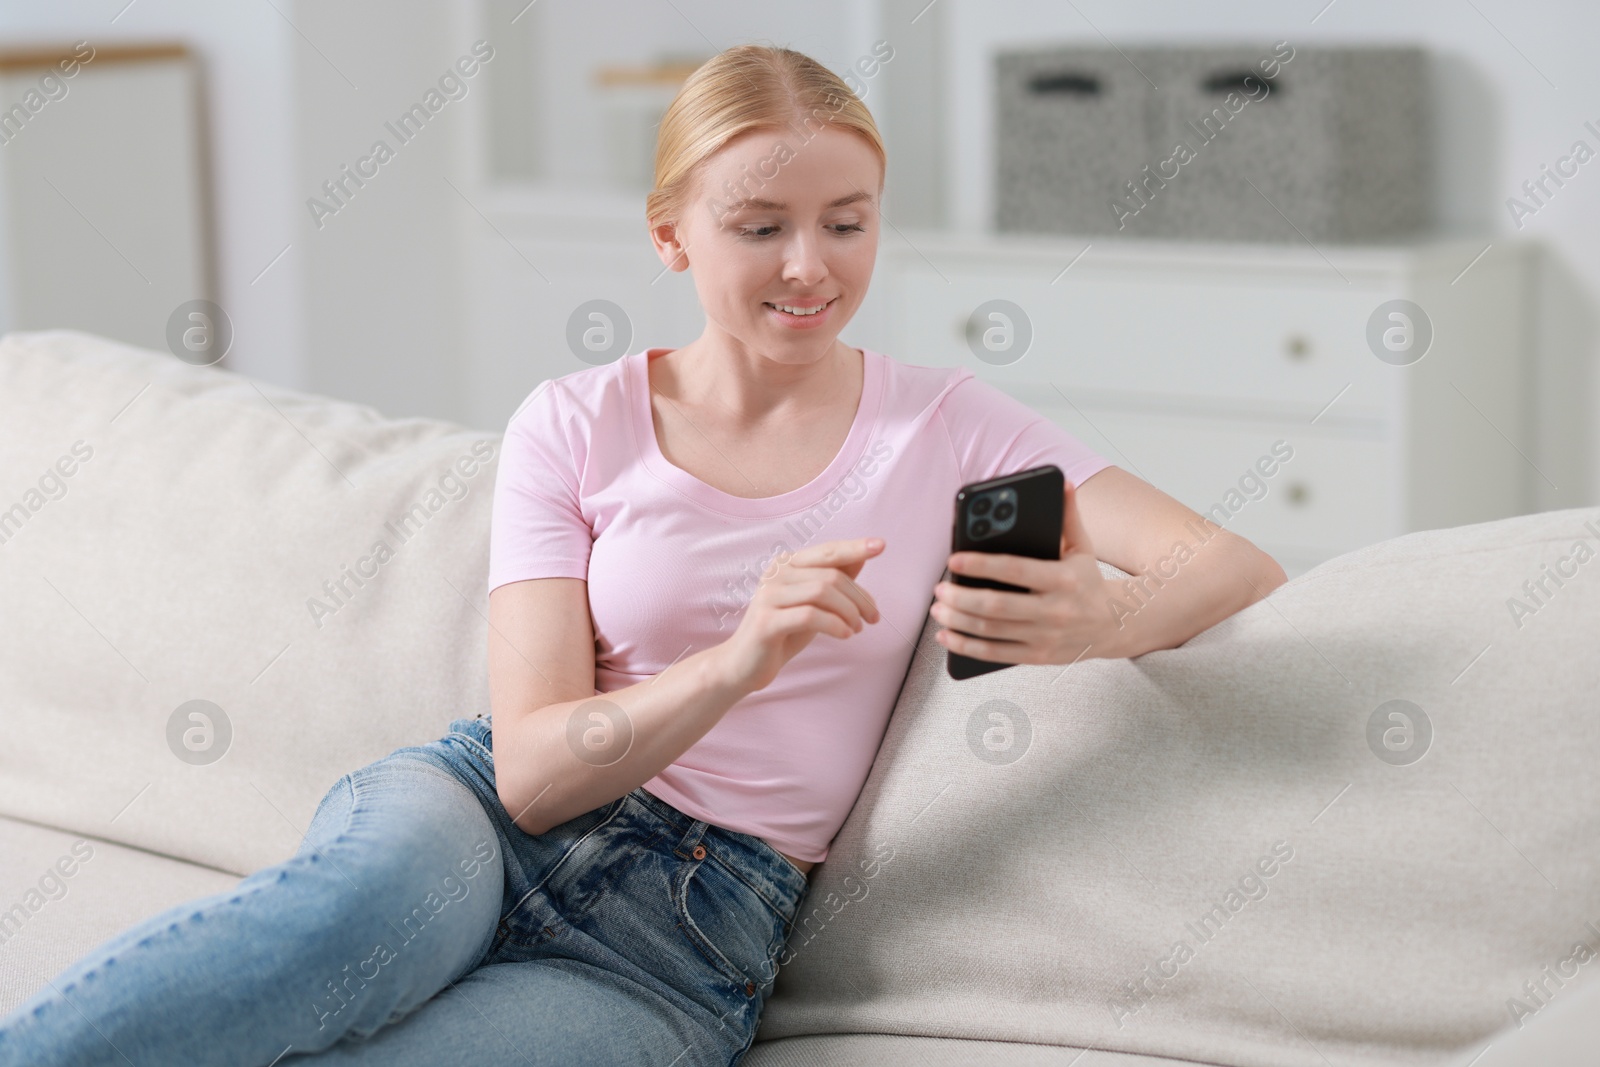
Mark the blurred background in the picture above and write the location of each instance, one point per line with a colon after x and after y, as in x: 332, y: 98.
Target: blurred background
x: 1378, y: 256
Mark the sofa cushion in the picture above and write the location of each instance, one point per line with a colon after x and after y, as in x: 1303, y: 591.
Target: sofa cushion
x: 172, y: 534
x: 1225, y: 852
x: 62, y: 894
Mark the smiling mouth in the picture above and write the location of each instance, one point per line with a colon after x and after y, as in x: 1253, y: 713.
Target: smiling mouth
x: 796, y: 309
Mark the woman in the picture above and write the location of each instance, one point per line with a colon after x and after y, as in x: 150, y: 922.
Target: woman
x: 610, y: 875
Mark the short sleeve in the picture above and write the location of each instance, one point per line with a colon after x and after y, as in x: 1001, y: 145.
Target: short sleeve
x: 994, y: 434
x: 537, y: 528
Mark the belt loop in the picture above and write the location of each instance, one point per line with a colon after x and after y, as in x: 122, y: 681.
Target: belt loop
x: 691, y: 839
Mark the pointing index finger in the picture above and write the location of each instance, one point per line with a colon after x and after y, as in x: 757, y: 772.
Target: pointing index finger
x: 837, y: 553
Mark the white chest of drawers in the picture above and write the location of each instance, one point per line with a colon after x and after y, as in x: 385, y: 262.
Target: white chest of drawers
x: 1186, y: 364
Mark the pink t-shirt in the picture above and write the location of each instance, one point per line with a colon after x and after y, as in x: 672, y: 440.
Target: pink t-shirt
x: 583, y: 491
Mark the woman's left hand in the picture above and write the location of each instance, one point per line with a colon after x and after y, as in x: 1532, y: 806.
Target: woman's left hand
x: 1064, y: 619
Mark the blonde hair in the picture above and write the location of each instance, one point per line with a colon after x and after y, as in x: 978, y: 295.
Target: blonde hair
x: 748, y: 87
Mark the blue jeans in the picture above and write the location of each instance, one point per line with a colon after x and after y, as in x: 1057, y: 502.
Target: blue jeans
x: 417, y: 924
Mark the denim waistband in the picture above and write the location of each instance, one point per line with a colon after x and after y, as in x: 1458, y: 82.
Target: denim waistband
x: 750, y: 858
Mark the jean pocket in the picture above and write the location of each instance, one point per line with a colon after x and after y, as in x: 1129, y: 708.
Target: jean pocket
x: 736, y: 932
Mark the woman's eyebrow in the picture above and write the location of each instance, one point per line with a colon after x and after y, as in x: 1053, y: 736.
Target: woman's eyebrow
x: 755, y: 202
x: 772, y: 205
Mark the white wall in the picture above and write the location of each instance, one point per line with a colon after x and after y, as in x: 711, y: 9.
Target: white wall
x: 374, y: 313
x: 245, y: 53
x: 383, y: 274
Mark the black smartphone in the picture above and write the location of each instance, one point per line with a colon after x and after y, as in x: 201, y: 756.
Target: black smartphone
x: 1016, y: 515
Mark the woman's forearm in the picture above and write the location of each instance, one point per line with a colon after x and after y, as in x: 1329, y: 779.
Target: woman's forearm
x: 1174, y: 598
x: 564, y: 759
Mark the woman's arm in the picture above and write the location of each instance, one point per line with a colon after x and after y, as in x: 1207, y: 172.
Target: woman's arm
x: 561, y: 749
x: 1188, y: 574
x: 541, y: 671
x: 1175, y: 592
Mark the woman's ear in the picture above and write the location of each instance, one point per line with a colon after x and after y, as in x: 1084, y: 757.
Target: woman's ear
x: 673, y: 253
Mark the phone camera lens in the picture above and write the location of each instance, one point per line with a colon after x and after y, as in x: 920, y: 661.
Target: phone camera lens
x: 981, y: 505
x: 980, y: 529
x: 1003, y: 511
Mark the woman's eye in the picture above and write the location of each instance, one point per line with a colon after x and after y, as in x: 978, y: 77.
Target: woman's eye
x: 758, y: 232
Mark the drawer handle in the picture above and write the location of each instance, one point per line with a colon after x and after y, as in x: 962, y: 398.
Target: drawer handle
x: 1227, y: 81
x: 1297, y: 346
x: 1298, y: 493
x: 1065, y: 83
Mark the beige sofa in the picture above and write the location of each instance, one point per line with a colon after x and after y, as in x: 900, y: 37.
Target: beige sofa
x: 1221, y: 854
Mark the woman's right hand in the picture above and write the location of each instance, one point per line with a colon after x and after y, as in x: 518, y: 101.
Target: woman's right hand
x: 810, y: 592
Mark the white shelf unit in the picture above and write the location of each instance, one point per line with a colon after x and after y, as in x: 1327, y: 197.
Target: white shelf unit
x: 1185, y: 363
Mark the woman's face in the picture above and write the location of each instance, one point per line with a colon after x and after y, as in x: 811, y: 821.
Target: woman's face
x: 775, y: 229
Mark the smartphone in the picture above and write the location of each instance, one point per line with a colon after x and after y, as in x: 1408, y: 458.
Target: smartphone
x: 1017, y: 515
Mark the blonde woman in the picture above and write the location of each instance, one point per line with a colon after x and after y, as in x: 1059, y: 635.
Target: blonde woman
x: 708, y: 569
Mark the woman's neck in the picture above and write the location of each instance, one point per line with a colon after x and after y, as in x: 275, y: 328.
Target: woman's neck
x: 754, y: 387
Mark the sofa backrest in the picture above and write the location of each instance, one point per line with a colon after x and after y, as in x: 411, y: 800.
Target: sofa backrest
x: 1356, y: 823
x: 311, y: 570
x: 1359, y: 820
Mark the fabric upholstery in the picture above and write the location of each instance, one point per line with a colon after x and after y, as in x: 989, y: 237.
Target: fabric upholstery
x: 181, y: 564
x: 1029, y: 850
x: 1017, y: 901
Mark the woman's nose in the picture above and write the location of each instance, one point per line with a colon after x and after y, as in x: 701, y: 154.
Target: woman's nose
x: 803, y: 262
